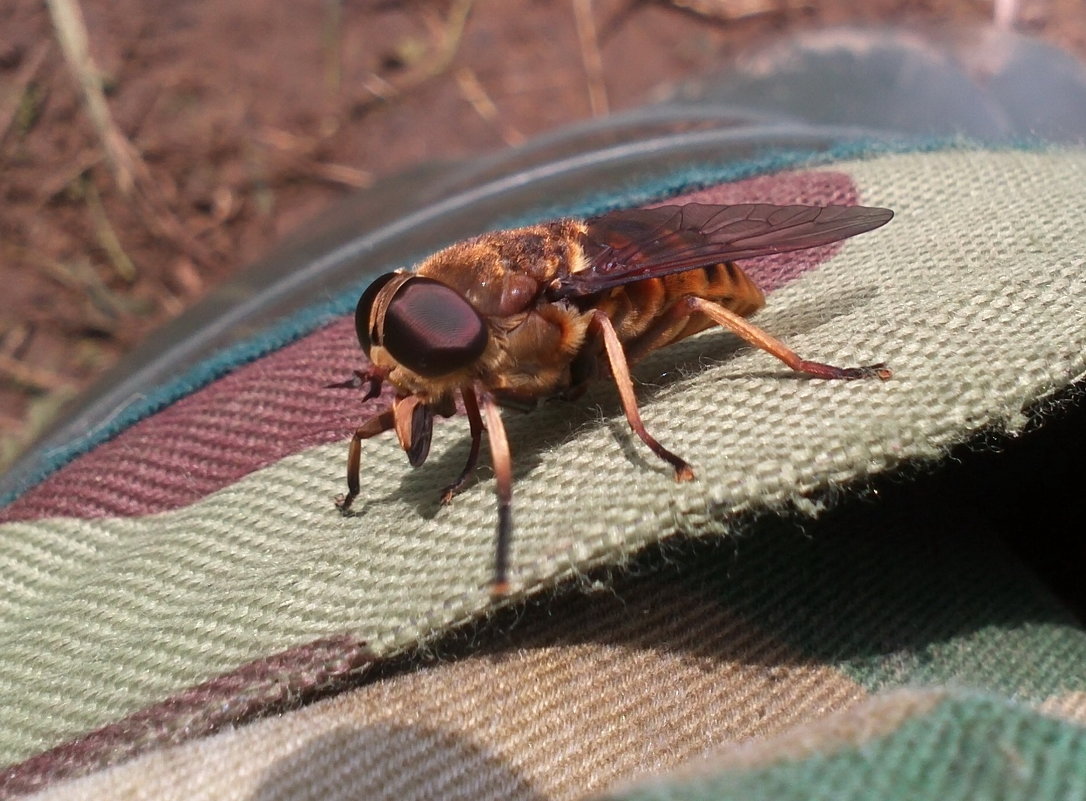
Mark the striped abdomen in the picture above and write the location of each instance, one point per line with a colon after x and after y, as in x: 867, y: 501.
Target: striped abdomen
x: 639, y: 311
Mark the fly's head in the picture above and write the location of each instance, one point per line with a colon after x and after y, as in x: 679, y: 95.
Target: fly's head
x: 425, y: 339
x: 424, y: 335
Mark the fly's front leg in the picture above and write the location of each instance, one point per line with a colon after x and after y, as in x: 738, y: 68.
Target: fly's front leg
x: 475, y: 420
x: 620, y: 370
x: 371, y: 379
x: 503, y: 477
x: 377, y: 424
x: 773, y: 346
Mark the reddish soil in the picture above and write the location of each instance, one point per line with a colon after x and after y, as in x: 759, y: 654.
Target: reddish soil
x: 245, y: 119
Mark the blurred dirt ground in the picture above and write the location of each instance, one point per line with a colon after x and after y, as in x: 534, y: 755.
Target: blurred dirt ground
x: 226, y: 125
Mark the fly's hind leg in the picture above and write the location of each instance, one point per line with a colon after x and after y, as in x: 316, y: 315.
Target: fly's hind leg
x: 377, y: 424
x: 616, y: 357
x: 773, y: 346
x: 475, y: 421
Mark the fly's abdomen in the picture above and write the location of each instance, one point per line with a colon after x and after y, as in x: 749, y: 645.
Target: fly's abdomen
x: 732, y: 288
x: 640, y: 310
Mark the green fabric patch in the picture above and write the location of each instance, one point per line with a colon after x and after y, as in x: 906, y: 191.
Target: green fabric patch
x: 895, y: 596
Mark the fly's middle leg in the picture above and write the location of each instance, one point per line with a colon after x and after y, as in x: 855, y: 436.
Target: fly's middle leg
x: 620, y: 370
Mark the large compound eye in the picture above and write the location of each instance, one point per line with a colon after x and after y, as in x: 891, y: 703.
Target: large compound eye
x: 431, y: 329
x: 363, y: 324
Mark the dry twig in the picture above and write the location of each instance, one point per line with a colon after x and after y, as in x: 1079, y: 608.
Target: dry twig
x: 590, y: 55
x: 1005, y: 14
x: 474, y: 92
x: 449, y: 35
x: 297, y: 154
x: 71, y: 31
x: 107, y: 236
x: 19, y: 85
x: 332, y: 46
x: 130, y: 173
x: 725, y: 11
x: 32, y: 376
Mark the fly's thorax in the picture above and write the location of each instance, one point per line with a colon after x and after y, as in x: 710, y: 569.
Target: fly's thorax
x: 527, y: 354
x: 537, y: 349
x: 504, y: 273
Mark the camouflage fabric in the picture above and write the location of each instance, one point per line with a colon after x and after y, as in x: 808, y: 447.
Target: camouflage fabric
x: 191, y: 575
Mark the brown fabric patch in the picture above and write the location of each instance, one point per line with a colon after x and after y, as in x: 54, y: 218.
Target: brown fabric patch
x: 260, y: 688
x: 849, y: 728
x: 1069, y: 706
x: 279, y: 405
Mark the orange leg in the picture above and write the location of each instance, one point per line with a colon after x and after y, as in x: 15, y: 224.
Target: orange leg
x: 503, y: 475
x: 620, y: 370
x: 471, y: 406
x: 371, y: 428
x: 773, y: 346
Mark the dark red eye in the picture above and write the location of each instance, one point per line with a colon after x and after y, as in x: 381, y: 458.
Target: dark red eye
x: 363, y: 325
x: 430, y: 328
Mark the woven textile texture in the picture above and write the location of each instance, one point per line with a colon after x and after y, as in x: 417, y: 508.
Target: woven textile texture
x: 585, y: 691
x: 906, y: 746
x: 974, y: 294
